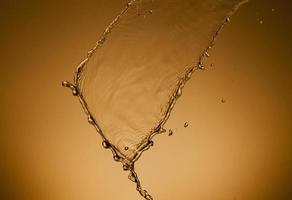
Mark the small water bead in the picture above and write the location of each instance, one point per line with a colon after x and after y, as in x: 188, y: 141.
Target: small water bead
x: 74, y: 92
x: 132, y: 177
x: 162, y: 130
x: 71, y: 86
x: 189, y: 75
x: 201, y: 66
x: 179, y: 92
x: 89, y: 53
x: 116, y: 158
x: 101, y: 41
x: 261, y: 20
x: 223, y: 100
x: 90, y: 120
x: 151, y: 143
x: 129, y: 4
x: 107, y: 30
x: 170, y: 132
x: 186, y: 124
x: 150, y: 11
x: 148, y: 197
x: 126, y: 167
x: 105, y: 144
x: 126, y: 148
x: 227, y: 19
x: 66, y: 84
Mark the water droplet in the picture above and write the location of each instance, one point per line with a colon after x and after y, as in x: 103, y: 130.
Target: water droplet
x: 143, y: 193
x: 126, y: 167
x: 89, y: 52
x: 66, y: 84
x: 170, y: 132
x: 261, y: 20
x: 189, y: 75
x: 179, y: 92
x: 107, y: 31
x: 186, y: 124
x: 116, y: 158
x: 227, y: 19
x: 74, y: 92
x: 162, y: 130
x: 223, y: 100
x: 148, y: 197
x: 90, y: 120
x: 105, y: 144
x: 126, y: 148
x: 129, y: 4
x: 201, y: 66
x: 151, y: 143
x: 150, y: 11
x: 132, y: 177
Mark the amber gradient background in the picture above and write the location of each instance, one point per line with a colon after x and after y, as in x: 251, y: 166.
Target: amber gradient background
x: 240, y: 149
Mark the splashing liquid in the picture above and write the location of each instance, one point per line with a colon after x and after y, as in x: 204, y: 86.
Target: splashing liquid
x: 131, y: 79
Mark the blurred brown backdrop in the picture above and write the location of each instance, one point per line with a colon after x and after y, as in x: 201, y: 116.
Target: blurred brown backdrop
x: 239, y: 149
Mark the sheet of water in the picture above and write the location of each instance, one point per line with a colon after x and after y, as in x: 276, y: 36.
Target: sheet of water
x: 130, y: 80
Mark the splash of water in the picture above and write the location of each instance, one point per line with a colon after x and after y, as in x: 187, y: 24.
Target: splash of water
x: 131, y: 79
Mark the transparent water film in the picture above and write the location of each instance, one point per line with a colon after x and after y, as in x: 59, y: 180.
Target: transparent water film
x: 132, y: 77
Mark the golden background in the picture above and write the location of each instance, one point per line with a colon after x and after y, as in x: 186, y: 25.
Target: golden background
x: 240, y: 149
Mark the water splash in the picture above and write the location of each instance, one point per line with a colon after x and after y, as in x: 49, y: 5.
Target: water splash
x: 131, y: 79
